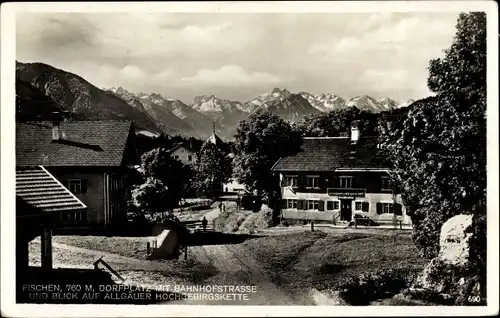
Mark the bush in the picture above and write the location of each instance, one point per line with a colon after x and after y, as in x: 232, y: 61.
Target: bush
x: 359, y: 290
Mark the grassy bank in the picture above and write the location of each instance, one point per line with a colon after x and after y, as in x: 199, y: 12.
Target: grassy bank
x: 324, y: 260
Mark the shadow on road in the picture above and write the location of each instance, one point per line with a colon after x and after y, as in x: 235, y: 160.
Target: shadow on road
x: 217, y: 238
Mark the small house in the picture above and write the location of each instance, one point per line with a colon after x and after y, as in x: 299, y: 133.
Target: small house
x: 89, y: 158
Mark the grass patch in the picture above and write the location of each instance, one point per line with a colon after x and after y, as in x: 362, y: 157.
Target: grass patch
x: 125, y: 246
x: 324, y: 261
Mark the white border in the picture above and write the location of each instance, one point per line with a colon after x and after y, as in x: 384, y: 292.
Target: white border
x: 9, y: 308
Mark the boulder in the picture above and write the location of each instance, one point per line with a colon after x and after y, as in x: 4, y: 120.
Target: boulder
x: 446, y: 278
x: 454, y: 240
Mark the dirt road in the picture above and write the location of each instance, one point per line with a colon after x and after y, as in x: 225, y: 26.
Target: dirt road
x: 230, y: 265
x: 237, y: 267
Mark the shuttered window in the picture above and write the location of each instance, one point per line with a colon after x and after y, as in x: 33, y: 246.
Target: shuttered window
x: 384, y: 208
x: 312, y: 204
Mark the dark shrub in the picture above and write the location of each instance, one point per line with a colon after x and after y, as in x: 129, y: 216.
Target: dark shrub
x: 360, y: 290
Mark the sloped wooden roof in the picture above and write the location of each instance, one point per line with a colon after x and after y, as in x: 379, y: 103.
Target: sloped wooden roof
x: 83, y: 143
x: 330, y: 153
x: 40, y: 189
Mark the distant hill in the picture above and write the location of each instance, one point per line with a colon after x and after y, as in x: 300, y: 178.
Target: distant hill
x: 74, y: 94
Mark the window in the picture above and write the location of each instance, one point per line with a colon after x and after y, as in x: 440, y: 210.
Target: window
x: 345, y: 182
x: 329, y: 205
x: 386, y: 183
x: 76, y: 186
x: 384, y: 208
x: 312, y: 181
x: 291, y: 181
x: 332, y: 205
x: 190, y: 158
x: 313, y: 205
x: 387, y: 208
x: 176, y: 156
x: 358, y: 206
x: 291, y: 204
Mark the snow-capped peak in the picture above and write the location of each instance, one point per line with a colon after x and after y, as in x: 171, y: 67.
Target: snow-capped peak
x: 405, y: 103
x: 324, y: 102
x: 212, y: 104
x: 387, y: 103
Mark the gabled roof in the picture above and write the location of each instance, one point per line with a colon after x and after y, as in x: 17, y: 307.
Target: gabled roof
x: 36, y: 187
x: 214, y: 139
x: 84, y: 143
x: 330, y: 153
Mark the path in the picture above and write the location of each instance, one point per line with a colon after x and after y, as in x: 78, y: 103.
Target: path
x: 236, y: 268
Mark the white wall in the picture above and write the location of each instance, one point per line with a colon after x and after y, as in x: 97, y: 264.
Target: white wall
x: 372, y: 198
x: 183, y: 154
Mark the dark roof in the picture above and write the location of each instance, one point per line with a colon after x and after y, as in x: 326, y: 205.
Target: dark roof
x: 330, y: 153
x: 38, y: 188
x: 84, y: 143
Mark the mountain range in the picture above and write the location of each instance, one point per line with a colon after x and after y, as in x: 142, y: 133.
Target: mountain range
x: 41, y: 89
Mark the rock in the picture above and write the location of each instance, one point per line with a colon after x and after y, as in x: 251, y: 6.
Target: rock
x: 446, y: 277
x: 454, y: 240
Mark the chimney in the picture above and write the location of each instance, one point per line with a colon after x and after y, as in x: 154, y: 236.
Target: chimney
x: 56, y: 126
x: 355, y: 134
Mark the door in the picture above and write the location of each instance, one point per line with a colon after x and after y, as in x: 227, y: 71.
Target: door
x: 345, y: 210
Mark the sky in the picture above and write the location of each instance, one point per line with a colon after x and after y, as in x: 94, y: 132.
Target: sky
x: 239, y: 56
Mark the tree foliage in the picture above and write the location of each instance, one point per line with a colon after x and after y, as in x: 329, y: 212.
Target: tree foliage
x: 439, y: 148
x: 150, y: 197
x: 177, y: 177
x: 260, y: 140
x: 337, y: 123
x: 212, y: 169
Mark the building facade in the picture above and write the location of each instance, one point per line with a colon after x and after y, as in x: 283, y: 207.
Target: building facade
x: 91, y: 159
x: 184, y: 154
x: 333, y: 179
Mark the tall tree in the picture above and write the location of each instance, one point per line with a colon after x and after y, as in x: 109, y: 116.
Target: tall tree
x: 176, y: 176
x: 260, y: 140
x: 439, y: 149
x: 212, y: 169
x: 150, y: 197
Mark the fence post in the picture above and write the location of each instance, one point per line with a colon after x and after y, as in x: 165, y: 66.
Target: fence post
x: 149, y: 248
x: 312, y: 226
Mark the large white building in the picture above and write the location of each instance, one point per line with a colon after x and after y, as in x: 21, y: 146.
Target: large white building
x: 334, y: 178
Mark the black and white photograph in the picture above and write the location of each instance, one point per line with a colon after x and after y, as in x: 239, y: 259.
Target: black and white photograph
x: 270, y: 156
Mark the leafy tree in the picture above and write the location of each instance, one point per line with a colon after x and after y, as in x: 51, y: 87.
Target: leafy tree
x: 212, y: 169
x: 337, y: 123
x: 150, y: 197
x: 176, y: 176
x: 439, y: 148
x: 260, y: 140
